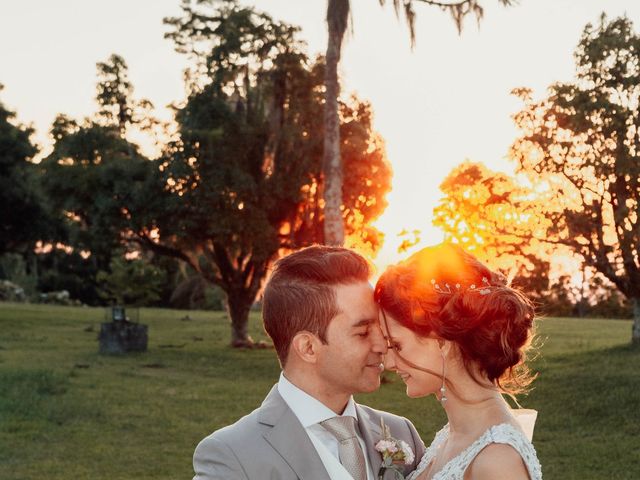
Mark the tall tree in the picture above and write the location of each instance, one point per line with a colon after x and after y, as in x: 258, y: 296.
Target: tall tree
x: 94, y: 177
x: 491, y: 215
x: 244, y: 176
x: 338, y: 13
x: 115, y: 93
x: 24, y: 218
x: 583, y: 139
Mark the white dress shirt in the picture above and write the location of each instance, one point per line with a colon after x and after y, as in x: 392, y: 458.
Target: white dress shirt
x: 310, y: 412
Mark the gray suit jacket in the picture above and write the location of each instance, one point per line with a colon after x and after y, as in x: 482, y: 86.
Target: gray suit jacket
x: 271, y: 443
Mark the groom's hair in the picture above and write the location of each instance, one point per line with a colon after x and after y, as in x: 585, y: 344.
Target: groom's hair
x: 300, y: 293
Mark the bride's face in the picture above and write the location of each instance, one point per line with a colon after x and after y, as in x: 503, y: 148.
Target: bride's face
x: 408, y: 348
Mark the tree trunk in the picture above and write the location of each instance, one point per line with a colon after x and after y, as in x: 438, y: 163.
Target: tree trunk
x: 635, y: 329
x: 238, y: 307
x: 332, y: 163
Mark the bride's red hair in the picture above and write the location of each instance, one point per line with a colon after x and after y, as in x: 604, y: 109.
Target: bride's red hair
x: 446, y: 292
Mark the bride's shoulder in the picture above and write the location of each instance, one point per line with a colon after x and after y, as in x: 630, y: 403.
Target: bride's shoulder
x: 498, y: 461
x: 504, y: 448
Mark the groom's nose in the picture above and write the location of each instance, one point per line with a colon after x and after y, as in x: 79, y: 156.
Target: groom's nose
x: 379, y: 344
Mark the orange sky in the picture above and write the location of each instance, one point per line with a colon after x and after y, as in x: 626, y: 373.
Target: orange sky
x: 446, y: 101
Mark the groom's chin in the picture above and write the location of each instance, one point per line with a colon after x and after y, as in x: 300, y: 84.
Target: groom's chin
x: 371, y: 386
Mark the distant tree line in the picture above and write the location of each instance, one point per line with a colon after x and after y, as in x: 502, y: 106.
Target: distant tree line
x: 237, y: 181
x: 578, y: 192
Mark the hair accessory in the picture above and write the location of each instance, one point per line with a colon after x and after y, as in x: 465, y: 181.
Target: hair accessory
x: 444, y: 291
x: 484, y: 289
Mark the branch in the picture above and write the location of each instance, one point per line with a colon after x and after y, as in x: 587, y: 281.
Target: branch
x: 221, y: 259
x: 160, y: 249
x: 220, y: 280
x: 443, y: 4
x: 578, y: 185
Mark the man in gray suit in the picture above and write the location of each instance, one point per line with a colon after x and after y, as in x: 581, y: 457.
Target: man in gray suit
x: 319, y: 311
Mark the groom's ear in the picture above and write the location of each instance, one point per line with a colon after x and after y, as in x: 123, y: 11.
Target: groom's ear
x: 304, y: 345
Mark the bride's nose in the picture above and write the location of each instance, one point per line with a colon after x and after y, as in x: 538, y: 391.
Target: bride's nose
x: 390, y: 360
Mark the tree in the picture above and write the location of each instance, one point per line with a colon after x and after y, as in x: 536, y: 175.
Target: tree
x: 583, y: 140
x: 498, y: 220
x: 242, y: 180
x: 135, y: 282
x: 94, y: 178
x: 22, y: 209
x: 338, y: 12
x: 117, y: 106
x: 94, y: 181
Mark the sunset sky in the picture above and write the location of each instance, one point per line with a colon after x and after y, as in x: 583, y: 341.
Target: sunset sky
x: 446, y: 101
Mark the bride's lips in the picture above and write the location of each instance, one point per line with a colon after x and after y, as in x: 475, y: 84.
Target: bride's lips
x: 403, y: 376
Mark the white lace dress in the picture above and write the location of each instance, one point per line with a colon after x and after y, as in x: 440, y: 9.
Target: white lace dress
x: 455, y: 468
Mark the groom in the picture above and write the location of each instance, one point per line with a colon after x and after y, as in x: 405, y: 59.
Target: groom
x: 319, y: 311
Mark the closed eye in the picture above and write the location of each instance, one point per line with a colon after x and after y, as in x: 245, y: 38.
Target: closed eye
x: 391, y: 344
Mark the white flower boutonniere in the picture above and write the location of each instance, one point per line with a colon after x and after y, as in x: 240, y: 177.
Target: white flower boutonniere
x: 394, y: 453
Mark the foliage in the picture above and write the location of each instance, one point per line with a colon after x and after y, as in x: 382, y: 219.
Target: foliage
x: 596, y: 297
x: 93, y: 180
x: 243, y: 178
x: 61, y: 297
x: 131, y: 282
x: 195, y: 293
x: 60, y: 270
x: 334, y: 165
x: 94, y: 177
x: 117, y: 107
x: 492, y: 216
x: 14, y: 268
x: 11, y: 292
x: 583, y: 139
x: 56, y: 392
x: 24, y: 216
x: 458, y: 10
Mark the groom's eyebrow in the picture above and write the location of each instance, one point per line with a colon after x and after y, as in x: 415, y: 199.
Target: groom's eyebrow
x: 363, y: 322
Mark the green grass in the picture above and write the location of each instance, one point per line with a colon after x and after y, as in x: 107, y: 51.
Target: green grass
x: 68, y: 412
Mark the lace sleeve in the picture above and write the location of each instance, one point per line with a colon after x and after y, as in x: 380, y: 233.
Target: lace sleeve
x: 509, y: 435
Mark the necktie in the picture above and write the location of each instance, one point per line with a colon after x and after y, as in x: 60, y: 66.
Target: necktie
x: 351, y: 455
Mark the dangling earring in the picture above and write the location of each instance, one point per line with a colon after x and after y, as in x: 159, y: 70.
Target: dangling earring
x: 443, y: 389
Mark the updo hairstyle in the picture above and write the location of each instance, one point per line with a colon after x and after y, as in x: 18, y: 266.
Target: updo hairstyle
x: 446, y: 292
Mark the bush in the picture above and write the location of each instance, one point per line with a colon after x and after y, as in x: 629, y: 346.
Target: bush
x: 13, y: 268
x: 61, y: 297
x: 194, y: 293
x: 10, y: 292
x: 131, y: 282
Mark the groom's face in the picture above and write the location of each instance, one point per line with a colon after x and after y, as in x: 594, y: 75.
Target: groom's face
x: 351, y: 362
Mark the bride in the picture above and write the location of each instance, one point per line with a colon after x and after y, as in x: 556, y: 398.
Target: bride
x: 457, y: 330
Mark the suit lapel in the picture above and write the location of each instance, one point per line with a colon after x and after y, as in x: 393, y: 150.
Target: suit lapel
x: 371, y: 434
x: 289, y: 438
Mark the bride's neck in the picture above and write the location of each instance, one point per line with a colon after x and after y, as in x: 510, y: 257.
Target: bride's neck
x: 476, y: 410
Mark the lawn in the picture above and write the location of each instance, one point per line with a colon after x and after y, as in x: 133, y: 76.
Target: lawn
x: 68, y: 412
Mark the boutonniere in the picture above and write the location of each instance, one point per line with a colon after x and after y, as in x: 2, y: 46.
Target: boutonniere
x: 394, y: 453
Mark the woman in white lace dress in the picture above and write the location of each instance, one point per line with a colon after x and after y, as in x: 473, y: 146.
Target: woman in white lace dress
x: 457, y: 330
